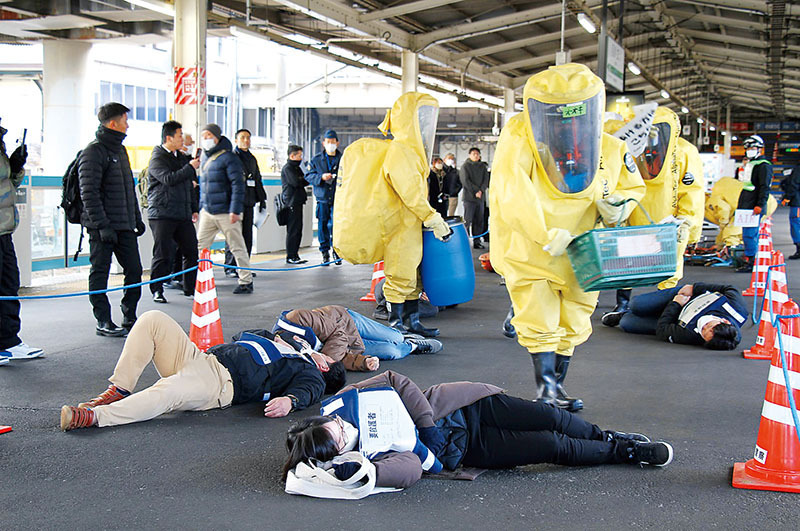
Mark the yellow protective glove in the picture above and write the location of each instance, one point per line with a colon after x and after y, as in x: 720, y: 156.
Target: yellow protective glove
x: 683, y: 228
x: 559, y: 240
x: 612, y: 213
x: 441, y: 230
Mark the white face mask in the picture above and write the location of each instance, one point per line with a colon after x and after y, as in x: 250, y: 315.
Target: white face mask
x: 351, y: 434
x: 330, y: 148
x: 751, y: 153
x: 450, y: 162
x: 438, y: 166
x: 703, y: 321
x: 207, y: 143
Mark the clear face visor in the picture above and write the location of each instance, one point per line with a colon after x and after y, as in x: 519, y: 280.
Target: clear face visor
x: 568, y: 137
x: 427, y: 117
x: 651, y: 161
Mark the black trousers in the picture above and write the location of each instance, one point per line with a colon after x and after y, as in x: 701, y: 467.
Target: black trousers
x: 473, y: 218
x: 247, y: 234
x: 127, y: 252
x: 167, y: 235
x: 505, y: 431
x: 9, y: 287
x: 294, y: 231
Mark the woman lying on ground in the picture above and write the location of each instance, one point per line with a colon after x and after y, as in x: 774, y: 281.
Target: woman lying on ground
x: 474, y: 425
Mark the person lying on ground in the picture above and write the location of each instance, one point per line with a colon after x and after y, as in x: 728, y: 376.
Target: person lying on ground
x: 469, y: 424
x: 709, y: 315
x: 252, y: 369
x: 357, y: 341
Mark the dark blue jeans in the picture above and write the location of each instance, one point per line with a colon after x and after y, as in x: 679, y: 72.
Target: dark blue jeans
x: 324, y: 225
x: 645, y: 311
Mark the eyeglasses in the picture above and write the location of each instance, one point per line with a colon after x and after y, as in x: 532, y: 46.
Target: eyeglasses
x: 339, y: 422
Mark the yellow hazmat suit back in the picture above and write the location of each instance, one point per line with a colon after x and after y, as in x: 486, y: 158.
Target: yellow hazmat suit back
x: 721, y: 208
x: 552, y: 312
x: 382, y: 199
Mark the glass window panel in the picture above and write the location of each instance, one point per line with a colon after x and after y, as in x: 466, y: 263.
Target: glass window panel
x: 116, y: 93
x: 105, y: 92
x: 152, y: 103
x: 129, y: 99
x: 250, y: 120
x: 162, y: 105
x: 141, y: 101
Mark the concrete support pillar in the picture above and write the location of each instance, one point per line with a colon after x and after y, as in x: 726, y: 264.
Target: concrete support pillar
x: 282, y: 114
x: 69, y: 117
x: 509, y: 101
x: 409, y: 62
x: 189, y: 52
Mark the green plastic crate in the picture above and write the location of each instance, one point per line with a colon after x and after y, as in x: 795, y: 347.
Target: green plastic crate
x: 624, y: 257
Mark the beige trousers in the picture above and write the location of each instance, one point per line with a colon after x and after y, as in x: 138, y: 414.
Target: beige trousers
x: 208, y: 227
x: 452, y: 204
x: 190, y: 380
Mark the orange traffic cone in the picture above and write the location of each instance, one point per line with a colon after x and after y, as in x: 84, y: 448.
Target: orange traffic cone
x: 777, y: 295
x: 377, y: 275
x: 776, y: 462
x: 5, y: 429
x: 763, y: 257
x: 206, y: 329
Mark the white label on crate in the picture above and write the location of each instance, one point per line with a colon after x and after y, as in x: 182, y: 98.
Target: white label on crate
x: 760, y: 455
x: 759, y: 340
x: 638, y: 245
x: 745, y: 218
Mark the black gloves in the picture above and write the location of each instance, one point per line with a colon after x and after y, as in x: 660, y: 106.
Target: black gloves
x: 345, y: 470
x: 262, y: 205
x: 108, y: 236
x: 18, y: 158
x: 140, y: 228
x: 432, y: 438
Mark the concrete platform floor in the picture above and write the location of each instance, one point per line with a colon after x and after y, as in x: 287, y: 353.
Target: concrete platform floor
x: 220, y: 469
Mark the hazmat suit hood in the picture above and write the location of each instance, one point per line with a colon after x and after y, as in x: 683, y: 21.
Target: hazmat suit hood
x: 412, y: 121
x: 564, y: 107
x: 661, y: 144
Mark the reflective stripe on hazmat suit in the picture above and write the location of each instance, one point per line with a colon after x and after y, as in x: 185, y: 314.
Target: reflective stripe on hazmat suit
x: 721, y: 208
x: 552, y: 312
x: 675, y: 185
x: 382, y: 198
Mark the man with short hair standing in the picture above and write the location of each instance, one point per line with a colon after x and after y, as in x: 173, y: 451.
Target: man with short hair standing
x: 322, y: 174
x: 111, y: 216
x: 293, y: 189
x: 475, y: 180
x: 452, y: 183
x: 222, y: 200
x: 253, y: 191
x: 172, y: 208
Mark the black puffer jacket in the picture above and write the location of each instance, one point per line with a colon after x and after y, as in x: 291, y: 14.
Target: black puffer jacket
x: 170, y: 192
x: 252, y: 176
x: 761, y: 180
x: 221, y: 180
x: 106, y: 184
x: 452, y: 181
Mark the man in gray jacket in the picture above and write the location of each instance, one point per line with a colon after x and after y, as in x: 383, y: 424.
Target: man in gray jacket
x: 475, y: 180
x: 11, y: 174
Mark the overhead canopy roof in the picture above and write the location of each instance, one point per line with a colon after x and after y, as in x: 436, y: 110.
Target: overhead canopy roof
x: 705, y: 54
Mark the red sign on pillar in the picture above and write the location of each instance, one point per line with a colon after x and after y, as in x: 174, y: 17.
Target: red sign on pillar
x: 190, y: 86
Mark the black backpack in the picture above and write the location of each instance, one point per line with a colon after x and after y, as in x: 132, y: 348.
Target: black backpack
x: 71, y: 193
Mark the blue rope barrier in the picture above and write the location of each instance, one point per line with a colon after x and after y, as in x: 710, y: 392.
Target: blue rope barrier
x: 755, y: 297
x: 789, y: 390
x: 272, y: 269
x: 480, y: 235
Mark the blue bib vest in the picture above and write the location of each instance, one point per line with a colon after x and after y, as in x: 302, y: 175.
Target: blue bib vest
x: 265, y: 352
x: 709, y: 303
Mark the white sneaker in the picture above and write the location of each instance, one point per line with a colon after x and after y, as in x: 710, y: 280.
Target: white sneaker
x: 3, y: 359
x: 22, y: 352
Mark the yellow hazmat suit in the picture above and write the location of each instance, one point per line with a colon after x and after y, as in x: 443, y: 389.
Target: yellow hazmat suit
x: 382, y: 197
x: 721, y: 208
x: 532, y: 209
x: 673, y: 173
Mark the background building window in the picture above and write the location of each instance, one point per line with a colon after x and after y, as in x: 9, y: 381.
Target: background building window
x: 145, y: 103
x: 218, y: 112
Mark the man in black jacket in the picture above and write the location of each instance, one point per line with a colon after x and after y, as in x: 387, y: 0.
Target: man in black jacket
x: 791, y: 196
x: 282, y: 371
x: 253, y: 194
x: 757, y: 183
x: 702, y: 314
x: 452, y: 183
x: 172, y: 208
x: 475, y: 180
x: 293, y: 188
x: 111, y: 216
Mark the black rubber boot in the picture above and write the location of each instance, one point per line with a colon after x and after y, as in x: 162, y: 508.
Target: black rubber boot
x: 508, y: 328
x: 747, y: 266
x: 613, y: 317
x: 563, y: 400
x: 396, y: 310
x: 796, y: 254
x: 411, y: 320
x: 544, y: 365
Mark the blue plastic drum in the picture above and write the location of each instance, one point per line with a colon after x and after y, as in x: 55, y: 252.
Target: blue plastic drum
x: 448, y: 274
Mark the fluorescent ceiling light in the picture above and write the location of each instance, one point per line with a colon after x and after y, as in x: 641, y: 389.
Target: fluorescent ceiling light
x: 700, y: 120
x: 724, y: 133
x: 634, y: 69
x: 154, y: 5
x: 587, y: 23
x: 735, y: 137
x: 664, y: 94
x: 712, y: 128
x: 684, y: 110
x: 247, y: 34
